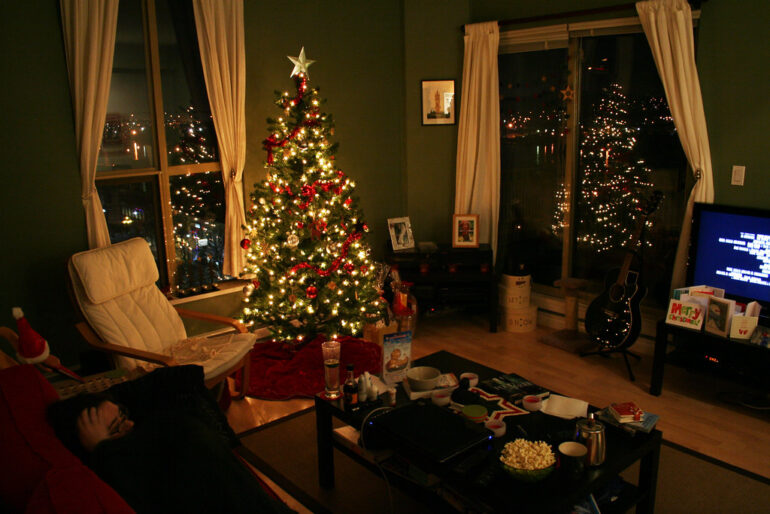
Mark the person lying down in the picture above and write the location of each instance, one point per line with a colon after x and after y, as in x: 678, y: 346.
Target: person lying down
x: 163, y: 444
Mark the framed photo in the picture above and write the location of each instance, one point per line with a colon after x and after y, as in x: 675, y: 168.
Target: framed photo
x: 438, y: 102
x: 465, y: 231
x: 400, y: 233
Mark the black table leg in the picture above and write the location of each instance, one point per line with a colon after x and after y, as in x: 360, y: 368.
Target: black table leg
x: 648, y: 479
x: 324, y: 444
x: 659, y: 358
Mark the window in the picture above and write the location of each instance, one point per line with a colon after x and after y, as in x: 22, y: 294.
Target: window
x: 586, y: 138
x: 159, y: 175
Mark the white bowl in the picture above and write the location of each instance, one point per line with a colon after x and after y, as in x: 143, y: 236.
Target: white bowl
x: 441, y: 397
x: 532, y: 403
x: 497, y: 426
x: 473, y: 378
x: 423, y: 378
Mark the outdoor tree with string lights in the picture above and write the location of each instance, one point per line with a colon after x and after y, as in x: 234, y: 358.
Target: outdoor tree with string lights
x: 615, y: 180
x: 309, y: 263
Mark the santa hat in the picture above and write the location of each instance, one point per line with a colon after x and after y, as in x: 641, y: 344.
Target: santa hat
x: 32, y: 348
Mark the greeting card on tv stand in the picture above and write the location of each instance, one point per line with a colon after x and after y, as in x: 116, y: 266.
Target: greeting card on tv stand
x: 685, y: 314
x: 742, y: 327
x: 707, y: 292
x: 718, y: 316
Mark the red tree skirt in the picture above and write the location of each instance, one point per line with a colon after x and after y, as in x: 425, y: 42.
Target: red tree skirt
x: 280, y: 373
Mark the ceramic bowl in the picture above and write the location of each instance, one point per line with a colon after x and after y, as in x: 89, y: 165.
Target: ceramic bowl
x: 532, y: 403
x: 497, y: 427
x: 441, y: 397
x: 423, y: 378
x: 475, y: 413
x: 528, y: 475
x: 473, y: 378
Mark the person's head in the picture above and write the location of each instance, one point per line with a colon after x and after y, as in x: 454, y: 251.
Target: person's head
x: 85, y: 420
x: 395, y: 354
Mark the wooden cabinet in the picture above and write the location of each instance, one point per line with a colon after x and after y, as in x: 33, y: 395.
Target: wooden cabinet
x: 450, y: 277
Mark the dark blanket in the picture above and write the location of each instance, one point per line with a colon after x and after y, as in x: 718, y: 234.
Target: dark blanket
x: 280, y: 371
x: 178, y: 457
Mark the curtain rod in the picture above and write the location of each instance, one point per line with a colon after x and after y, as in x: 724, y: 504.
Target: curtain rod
x: 572, y: 14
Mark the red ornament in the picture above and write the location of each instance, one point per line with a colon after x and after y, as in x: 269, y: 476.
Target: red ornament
x: 311, y: 291
x: 349, y: 267
x: 255, y: 283
x: 245, y: 243
x: 348, y: 202
x: 300, y: 224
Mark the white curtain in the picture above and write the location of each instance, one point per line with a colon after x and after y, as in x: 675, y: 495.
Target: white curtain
x: 668, y: 27
x: 89, y: 28
x: 477, y: 184
x: 221, y: 41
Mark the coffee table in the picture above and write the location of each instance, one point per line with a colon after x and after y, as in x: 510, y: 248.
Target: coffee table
x: 459, y: 484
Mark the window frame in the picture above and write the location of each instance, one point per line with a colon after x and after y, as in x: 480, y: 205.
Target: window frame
x: 569, y: 35
x: 163, y: 172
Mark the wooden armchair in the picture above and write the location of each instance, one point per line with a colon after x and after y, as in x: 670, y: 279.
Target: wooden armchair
x: 124, y: 313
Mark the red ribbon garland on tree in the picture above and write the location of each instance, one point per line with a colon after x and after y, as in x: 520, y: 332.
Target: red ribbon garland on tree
x: 335, y: 264
x: 272, y: 141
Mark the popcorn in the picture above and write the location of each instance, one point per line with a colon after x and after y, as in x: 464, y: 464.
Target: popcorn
x: 523, y: 454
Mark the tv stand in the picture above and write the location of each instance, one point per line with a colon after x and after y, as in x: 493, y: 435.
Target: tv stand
x: 733, y: 358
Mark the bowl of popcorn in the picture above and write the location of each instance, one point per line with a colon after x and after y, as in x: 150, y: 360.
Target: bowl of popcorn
x: 528, y: 461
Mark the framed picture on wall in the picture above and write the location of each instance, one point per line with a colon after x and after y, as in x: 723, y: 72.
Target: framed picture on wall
x: 400, y: 230
x: 465, y: 231
x: 438, y: 102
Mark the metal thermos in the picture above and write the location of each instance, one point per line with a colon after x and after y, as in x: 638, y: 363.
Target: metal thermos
x: 591, y: 433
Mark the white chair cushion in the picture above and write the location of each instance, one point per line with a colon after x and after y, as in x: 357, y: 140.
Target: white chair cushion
x: 115, y: 270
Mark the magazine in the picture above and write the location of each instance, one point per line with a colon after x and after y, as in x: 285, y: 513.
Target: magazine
x: 513, y: 387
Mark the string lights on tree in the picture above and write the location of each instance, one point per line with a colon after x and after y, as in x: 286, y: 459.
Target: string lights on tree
x: 309, y: 264
x: 614, y: 178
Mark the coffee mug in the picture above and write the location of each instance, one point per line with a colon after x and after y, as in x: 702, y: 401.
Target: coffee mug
x: 573, y: 458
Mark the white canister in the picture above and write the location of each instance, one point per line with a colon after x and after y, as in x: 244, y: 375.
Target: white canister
x: 520, y: 320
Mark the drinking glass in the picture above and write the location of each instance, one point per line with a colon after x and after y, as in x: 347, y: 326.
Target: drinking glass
x: 331, y: 356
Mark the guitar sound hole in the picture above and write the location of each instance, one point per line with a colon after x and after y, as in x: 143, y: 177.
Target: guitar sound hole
x: 616, y: 293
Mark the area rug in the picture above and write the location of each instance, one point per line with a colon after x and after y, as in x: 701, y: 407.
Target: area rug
x: 286, y: 452
x: 281, y: 371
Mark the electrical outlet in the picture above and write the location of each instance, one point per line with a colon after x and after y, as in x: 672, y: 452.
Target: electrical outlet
x: 739, y: 173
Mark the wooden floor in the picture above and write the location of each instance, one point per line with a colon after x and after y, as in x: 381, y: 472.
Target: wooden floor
x: 691, y: 411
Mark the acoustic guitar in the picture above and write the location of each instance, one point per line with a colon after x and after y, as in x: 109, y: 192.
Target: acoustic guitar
x: 613, y: 320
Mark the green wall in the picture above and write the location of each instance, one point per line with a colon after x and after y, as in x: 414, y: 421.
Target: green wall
x: 42, y: 221
x: 370, y: 58
x: 433, y: 45
x: 732, y: 63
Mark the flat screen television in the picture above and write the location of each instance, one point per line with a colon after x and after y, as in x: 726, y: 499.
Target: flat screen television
x: 730, y: 249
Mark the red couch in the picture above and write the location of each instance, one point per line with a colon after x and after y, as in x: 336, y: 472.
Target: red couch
x: 37, y: 473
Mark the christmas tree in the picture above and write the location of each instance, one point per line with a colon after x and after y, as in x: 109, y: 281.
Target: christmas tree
x: 615, y: 180
x: 310, y: 265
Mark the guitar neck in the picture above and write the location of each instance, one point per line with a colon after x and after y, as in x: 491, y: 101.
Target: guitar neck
x: 623, y: 275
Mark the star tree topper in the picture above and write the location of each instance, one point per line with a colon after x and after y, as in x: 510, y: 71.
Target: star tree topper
x: 301, y: 64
